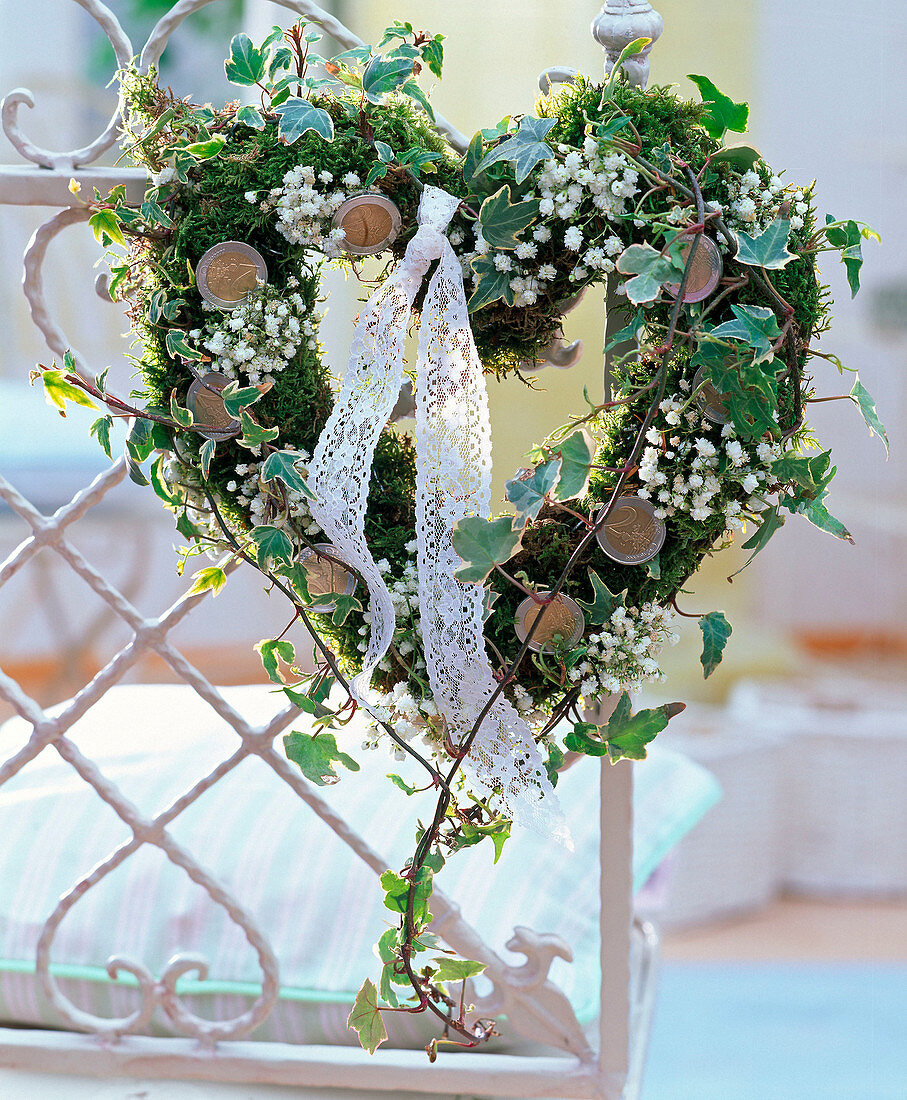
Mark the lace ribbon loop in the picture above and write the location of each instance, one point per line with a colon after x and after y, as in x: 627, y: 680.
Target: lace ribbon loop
x: 453, y: 479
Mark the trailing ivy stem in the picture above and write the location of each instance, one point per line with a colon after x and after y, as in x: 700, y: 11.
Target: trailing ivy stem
x: 323, y: 650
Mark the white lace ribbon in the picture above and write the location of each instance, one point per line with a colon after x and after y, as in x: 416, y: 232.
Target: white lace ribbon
x: 453, y: 480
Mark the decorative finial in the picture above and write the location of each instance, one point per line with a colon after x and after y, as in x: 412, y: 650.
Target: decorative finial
x: 619, y: 24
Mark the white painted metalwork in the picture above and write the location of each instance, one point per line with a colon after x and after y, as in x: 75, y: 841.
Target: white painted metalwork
x: 622, y: 22
x: 535, y: 1008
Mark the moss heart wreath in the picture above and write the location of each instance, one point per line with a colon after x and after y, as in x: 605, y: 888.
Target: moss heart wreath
x: 712, y: 257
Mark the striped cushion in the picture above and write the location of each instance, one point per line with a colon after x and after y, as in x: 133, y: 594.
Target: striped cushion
x: 318, y: 904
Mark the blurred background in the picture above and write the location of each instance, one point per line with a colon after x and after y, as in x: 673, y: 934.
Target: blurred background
x: 794, y: 885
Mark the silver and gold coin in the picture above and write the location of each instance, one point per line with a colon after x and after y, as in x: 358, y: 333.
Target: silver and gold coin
x: 705, y: 270
x: 370, y: 222
x: 325, y: 574
x: 562, y: 618
x: 632, y: 534
x: 710, y: 401
x: 228, y: 271
x: 209, y: 415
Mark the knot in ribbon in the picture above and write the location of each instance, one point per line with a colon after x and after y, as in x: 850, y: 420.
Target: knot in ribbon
x: 453, y: 480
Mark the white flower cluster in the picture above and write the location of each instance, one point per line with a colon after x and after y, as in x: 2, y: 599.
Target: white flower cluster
x: 680, y: 468
x: 257, y: 340
x: 753, y: 203
x: 623, y: 655
x: 574, y: 186
x: 305, y: 206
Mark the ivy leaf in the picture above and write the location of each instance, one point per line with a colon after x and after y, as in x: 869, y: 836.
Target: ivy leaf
x: 101, y: 429
x: 527, y: 494
x: 433, y: 54
x: 181, y: 416
x: 581, y: 739
x: 383, y: 75
x: 160, y: 486
x: 815, y: 511
x: 769, y: 249
x: 492, y: 285
x: 553, y: 763
x: 106, y: 227
x: 412, y: 89
x: 502, y: 220
x: 471, y: 162
x: 251, y: 117
x: 482, y: 544
x: 715, y: 632
x: 205, y: 150
x: 282, y: 465
x: 741, y: 157
x: 297, y: 116
x: 245, y: 65
x: 630, y: 50
x: 756, y: 326
x: 281, y: 59
x: 272, y: 545
x: 577, y: 453
x: 205, y: 455
x: 848, y: 239
x: 140, y: 441
x: 272, y: 651
x: 653, y: 567
x: 748, y: 388
x: 313, y: 702
x: 819, y: 516
x: 212, y: 578
x: 343, y: 606
x: 629, y: 332
x: 396, y: 890
x: 175, y: 342
x: 772, y: 520
x: 651, y: 271
x: 237, y: 398
x: 628, y: 734
x: 253, y: 434
x: 456, y: 970
x: 400, y: 782
x: 722, y: 113
x: 57, y: 391
x: 316, y: 755
x: 867, y: 406
x: 808, y: 472
x: 524, y: 149
x: 153, y: 213
x: 365, y: 1018
x: 604, y: 601
x: 609, y: 129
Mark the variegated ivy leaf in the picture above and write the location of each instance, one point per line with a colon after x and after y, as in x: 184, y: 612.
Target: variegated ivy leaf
x: 651, y: 270
x: 862, y: 398
x: 769, y: 249
x: 250, y: 116
x: 492, y: 286
x: 246, y: 65
x: 383, y: 75
x: 577, y: 453
x: 527, y: 493
x: 715, y: 632
x: 524, y: 149
x: 502, y: 220
x: 756, y: 326
x: 482, y: 544
x: 298, y: 116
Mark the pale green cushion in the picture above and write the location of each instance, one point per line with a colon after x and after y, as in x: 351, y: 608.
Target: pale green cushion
x: 319, y: 905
